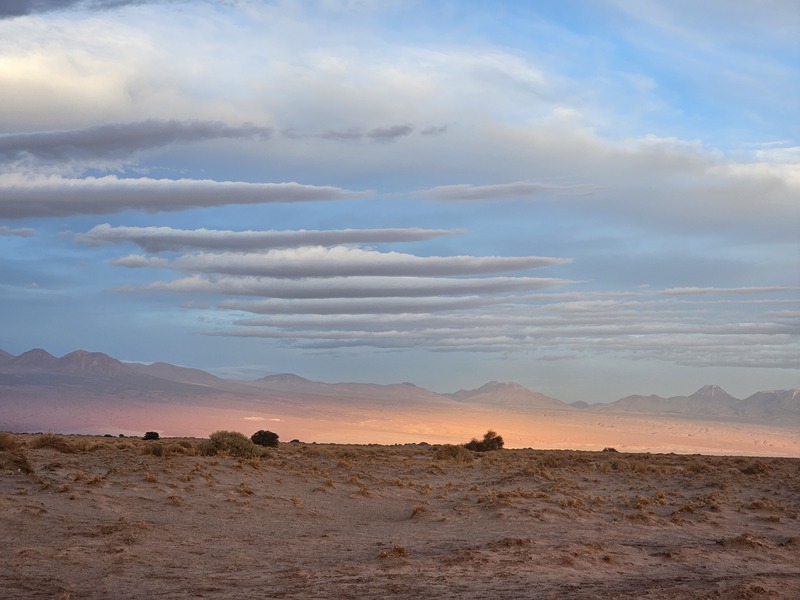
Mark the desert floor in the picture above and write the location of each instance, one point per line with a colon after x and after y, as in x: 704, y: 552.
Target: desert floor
x: 105, y: 518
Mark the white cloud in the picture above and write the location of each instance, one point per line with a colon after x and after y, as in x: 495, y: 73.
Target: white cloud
x: 157, y: 239
x: 17, y: 232
x: 350, y: 287
x: 348, y: 262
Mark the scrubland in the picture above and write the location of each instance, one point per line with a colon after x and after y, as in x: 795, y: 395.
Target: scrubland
x: 95, y: 517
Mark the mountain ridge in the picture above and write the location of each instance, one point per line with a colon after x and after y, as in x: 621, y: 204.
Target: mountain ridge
x: 97, y: 373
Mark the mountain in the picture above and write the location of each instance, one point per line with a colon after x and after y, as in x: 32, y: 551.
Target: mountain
x: 91, y: 391
x: 774, y: 404
x: 711, y: 401
x: 284, y: 379
x: 170, y: 372
x: 32, y: 359
x: 81, y: 362
x: 507, y: 394
x: 406, y: 393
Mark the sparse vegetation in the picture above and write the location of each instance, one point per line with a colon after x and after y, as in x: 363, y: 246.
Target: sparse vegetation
x: 54, y: 441
x: 229, y: 443
x: 7, y: 441
x: 491, y: 441
x: 457, y: 454
x: 265, y: 438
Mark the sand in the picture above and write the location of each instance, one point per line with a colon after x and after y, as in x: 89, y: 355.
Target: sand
x: 102, y: 518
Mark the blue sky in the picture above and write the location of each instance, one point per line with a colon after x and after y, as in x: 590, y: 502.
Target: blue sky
x: 589, y: 198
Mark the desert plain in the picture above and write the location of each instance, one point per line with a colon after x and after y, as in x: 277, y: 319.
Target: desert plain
x: 101, y: 517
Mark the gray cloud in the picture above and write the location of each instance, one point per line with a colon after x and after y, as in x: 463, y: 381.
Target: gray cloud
x: 36, y: 196
x: 119, y: 139
x: 19, y: 8
x: 433, y: 130
x: 501, y: 191
x: 707, y: 291
x: 157, y: 239
x: 354, y: 134
x: 347, y: 135
x: 342, y: 261
x: 388, y: 134
x: 646, y: 331
x: 347, y: 306
x: 19, y: 232
x: 349, y: 287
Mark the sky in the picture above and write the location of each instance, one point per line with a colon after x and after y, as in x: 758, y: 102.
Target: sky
x: 590, y: 198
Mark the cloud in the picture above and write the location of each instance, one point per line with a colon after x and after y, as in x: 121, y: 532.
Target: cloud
x: 158, y: 239
x: 350, y: 306
x: 136, y: 261
x: 354, y: 134
x: 19, y: 232
x: 19, y: 8
x: 388, y: 134
x: 434, y: 130
x: 349, y: 287
x: 705, y: 291
x: 342, y: 261
x: 50, y: 196
x: 638, y: 326
x: 500, y: 191
x: 119, y: 139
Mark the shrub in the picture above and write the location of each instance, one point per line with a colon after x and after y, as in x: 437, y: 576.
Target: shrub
x: 455, y: 453
x: 151, y: 435
x: 7, y: 441
x: 229, y: 443
x: 265, y: 438
x: 54, y: 441
x: 491, y: 441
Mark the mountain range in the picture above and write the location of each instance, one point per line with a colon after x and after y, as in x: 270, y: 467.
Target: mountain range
x: 81, y: 385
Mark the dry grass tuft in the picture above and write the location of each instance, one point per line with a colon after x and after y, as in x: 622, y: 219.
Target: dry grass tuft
x: 396, y: 552
x: 454, y: 453
x: 8, y: 441
x: 53, y: 441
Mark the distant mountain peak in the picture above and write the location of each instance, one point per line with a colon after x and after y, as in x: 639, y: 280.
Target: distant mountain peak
x: 712, y: 393
x: 34, y: 359
x: 284, y: 378
x: 82, y: 361
x: 507, y: 393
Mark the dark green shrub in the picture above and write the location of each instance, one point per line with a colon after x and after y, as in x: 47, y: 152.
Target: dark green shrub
x: 265, y: 438
x: 491, y: 441
x: 151, y: 435
x: 229, y: 443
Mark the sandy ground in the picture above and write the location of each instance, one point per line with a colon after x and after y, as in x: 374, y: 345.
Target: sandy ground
x: 101, y: 518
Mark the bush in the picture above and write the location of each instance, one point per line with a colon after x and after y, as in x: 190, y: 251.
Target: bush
x: 7, y: 441
x: 491, y: 441
x: 458, y: 454
x: 229, y: 443
x: 151, y: 435
x: 54, y: 441
x: 265, y: 438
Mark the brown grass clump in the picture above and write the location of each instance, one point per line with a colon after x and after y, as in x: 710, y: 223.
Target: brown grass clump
x: 8, y: 441
x: 456, y: 454
x: 396, y: 552
x: 54, y: 441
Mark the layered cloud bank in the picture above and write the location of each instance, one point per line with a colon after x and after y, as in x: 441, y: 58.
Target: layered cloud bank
x: 327, y: 186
